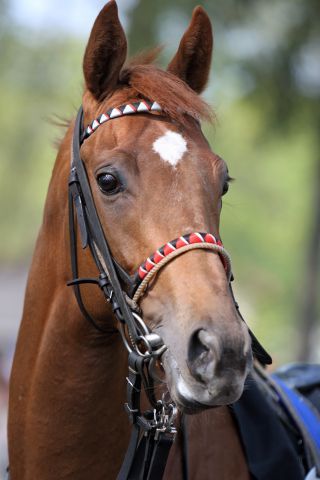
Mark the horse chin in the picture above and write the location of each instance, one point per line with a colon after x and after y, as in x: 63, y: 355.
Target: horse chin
x: 192, y: 396
x: 195, y: 398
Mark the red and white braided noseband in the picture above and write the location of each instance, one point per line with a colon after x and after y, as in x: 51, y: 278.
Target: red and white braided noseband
x: 135, y: 106
x: 171, y: 250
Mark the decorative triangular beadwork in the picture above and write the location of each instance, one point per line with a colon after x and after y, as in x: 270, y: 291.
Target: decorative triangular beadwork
x: 136, y: 106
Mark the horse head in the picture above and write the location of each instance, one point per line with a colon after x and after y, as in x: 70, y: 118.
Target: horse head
x: 154, y: 178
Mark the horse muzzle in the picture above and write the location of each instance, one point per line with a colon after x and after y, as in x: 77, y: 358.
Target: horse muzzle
x: 213, y: 374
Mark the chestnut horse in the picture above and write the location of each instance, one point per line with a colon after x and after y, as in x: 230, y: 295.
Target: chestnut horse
x: 153, y: 178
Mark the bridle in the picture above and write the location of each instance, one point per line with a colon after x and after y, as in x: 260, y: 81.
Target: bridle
x: 154, y: 430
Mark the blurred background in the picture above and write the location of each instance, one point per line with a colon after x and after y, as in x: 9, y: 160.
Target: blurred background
x: 265, y: 89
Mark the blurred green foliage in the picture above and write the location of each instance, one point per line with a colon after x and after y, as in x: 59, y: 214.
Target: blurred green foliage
x: 37, y: 80
x: 268, y: 125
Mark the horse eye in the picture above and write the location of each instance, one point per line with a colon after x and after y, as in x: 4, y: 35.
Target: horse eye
x: 227, y: 181
x: 108, y: 183
x: 225, y: 187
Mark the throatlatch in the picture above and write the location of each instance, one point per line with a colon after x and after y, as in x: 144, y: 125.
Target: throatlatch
x: 154, y: 430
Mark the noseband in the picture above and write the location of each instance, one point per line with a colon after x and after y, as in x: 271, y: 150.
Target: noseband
x: 154, y: 430
x: 149, y: 269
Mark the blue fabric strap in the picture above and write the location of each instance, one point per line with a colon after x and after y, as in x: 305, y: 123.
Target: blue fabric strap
x: 304, y: 415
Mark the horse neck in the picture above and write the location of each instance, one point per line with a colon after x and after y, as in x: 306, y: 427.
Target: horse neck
x: 69, y: 375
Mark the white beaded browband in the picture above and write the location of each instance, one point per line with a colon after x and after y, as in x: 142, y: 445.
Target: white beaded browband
x: 136, y: 106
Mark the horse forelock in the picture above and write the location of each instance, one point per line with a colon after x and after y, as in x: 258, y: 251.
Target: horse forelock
x: 141, y: 78
x: 176, y: 98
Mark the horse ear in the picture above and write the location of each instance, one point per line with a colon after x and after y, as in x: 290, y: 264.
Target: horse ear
x: 105, y: 53
x: 192, y: 61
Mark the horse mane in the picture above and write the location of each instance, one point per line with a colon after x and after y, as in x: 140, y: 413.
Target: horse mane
x: 176, y: 98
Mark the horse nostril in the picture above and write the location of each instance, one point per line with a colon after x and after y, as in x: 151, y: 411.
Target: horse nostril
x: 201, y: 355
x: 196, y: 347
x: 213, y: 357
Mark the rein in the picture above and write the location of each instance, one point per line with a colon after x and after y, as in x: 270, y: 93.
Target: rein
x: 153, y: 431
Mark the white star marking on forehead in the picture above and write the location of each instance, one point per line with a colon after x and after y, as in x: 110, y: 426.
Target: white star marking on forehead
x: 171, y: 146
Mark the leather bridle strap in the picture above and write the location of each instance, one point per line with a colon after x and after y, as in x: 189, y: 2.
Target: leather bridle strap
x: 74, y: 199
x: 89, y: 220
x: 150, y: 443
x: 260, y: 353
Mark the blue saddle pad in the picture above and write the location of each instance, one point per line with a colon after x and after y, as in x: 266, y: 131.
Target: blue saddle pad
x: 302, y: 412
x: 304, y: 377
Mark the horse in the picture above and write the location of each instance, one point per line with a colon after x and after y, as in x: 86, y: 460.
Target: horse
x: 153, y: 177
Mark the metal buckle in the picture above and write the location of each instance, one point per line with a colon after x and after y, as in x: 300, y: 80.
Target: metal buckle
x: 164, y: 419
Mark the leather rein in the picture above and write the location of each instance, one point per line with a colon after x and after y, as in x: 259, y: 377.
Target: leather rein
x: 154, y: 430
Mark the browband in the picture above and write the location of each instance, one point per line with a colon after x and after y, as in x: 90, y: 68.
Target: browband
x: 136, y: 106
